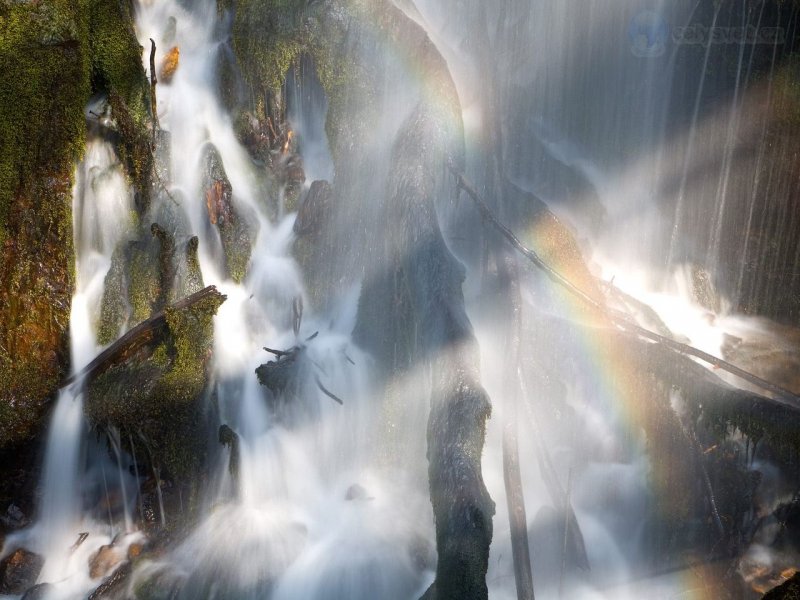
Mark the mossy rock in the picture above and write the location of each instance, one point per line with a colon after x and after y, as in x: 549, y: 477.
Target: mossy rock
x: 53, y: 54
x: 158, y: 393
x: 46, y: 83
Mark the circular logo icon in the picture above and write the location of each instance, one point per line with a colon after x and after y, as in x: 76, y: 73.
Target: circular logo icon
x: 648, y: 34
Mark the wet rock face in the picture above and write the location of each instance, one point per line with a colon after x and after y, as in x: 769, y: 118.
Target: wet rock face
x: 290, y: 174
x: 169, y: 65
x: 790, y: 590
x: 704, y: 291
x: 19, y: 571
x: 315, y: 248
x: 256, y: 136
x: 218, y: 190
x: 114, y: 585
x: 357, y: 492
x: 228, y: 218
x: 278, y: 375
x: 315, y: 209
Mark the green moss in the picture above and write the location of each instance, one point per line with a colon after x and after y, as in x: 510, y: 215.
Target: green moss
x: 192, y: 333
x: 116, y: 69
x: 268, y: 39
x: 117, y: 57
x: 42, y: 57
x: 236, y: 241
x: 114, y: 307
x: 143, y: 281
x: 194, y: 275
x: 161, y: 356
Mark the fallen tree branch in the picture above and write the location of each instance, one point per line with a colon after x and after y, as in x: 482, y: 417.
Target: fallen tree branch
x: 141, y: 335
x: 783, y: 395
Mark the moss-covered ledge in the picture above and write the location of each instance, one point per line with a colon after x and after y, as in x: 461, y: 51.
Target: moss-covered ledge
x: 49, y: 70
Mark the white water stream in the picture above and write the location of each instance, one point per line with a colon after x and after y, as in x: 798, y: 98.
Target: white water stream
x: 319, y: 512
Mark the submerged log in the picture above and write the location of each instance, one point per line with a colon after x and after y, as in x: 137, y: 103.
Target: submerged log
x: 282, y: 375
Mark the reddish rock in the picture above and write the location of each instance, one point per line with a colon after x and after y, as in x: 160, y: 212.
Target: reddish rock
x: 103, y: 561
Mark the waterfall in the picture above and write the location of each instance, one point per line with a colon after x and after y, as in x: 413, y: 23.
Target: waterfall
x: 297, y: 521
x: 320, y: 491
x: 102, y: 206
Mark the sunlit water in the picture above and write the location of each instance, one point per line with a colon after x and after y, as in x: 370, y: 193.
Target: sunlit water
x: 318, y: 511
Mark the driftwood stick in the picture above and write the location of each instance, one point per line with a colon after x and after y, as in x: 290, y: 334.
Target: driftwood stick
x: 141, y: 335
x: 783, y: 395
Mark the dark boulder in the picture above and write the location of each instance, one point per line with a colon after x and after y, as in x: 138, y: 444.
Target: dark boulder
x: 315, y: 209
x: 790, y: 590
x: 14, y: 517
x: 19, y: 571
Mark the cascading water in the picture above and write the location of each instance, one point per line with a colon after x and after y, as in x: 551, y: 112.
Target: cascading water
x: 308, y: 515
x: 102, y: 205
x: 321, y: 492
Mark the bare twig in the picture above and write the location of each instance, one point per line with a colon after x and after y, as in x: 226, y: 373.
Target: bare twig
x: 81, y: 538
x: 327, y: 392
x: 280, y: 353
